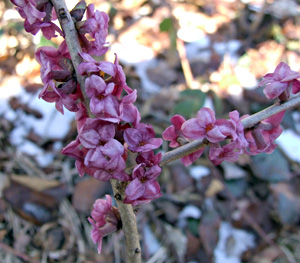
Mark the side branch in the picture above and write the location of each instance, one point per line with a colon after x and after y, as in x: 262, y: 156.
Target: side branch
x: 270, y: 111
x: 247, y: 123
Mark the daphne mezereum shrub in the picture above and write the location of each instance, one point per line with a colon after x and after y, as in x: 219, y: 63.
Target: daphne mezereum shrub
x: 109, y: 125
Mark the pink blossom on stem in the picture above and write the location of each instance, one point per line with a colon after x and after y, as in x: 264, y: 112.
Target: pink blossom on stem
x: 206, y: 126
x: 97, y: 26
x: 90, y: 65
x: 173, y: 133
x: 128, y: 112
x: 105, y: 219
x: 81, y: 115
x: 53, y: 94
x: 104, y: 152
x: 119, y: 79
x: 107, y: 161
x: 102, y: 104
x: 37, y: 17
x: 149, y: 158
x: 142, y: 138
x: 28, y: 10
x: 75, y: 150
x: 143, y: 188
x: 189, y: 159
x: 96, y: 132
x: 261, y: 138
x: 239, y: 137
x: 280, y: 83
x: 228, y: 152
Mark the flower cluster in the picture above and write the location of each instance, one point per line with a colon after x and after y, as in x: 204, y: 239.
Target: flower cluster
x: 213, y: 131
x: 113, y: 129
x: 105, y: 220
x: 281, y: 83
x: 38, y: 15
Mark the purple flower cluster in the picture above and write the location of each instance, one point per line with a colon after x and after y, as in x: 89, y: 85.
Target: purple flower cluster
x: 105, y: 139
x: 38, y: 15
x: 57, y: 75
x: 105, y: 220
x: 281, y: 83
x: 213, y: 131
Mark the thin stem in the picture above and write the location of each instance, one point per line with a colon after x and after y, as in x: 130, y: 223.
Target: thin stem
x: 72, y: 42
x: 270, y: 111
x: 129, y: 226
x: 247, y: 123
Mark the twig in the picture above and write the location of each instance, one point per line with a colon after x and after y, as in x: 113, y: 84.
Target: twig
x: 258, y: 18
x: 270, y: 111
x: 18, y: 253
x: 72, y: 42
x: 129, y: 226
x: 185, y: 64
x: 247, y: 123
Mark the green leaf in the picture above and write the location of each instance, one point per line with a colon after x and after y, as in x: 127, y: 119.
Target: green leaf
x: 166, y: 25
x: 193, y: 225
x: 189, y: 103
x: 45, y: 42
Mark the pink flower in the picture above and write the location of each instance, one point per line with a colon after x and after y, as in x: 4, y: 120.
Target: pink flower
x: 75, y: 150
x: 229, y: 152
x: 144, y: 187
x: 174, y: 131
x: 102, y: 104
x: 95, y: 133
x: 239, y: 136
x: 279, y: 83
x: 142, y: 138
x: 128, y: 112
x: 104, y: 154
x: 107, y: 161
x: 149, y: 158
x: 261, y: 138
x: 206, y: 126
x: 90, y: 65
x: 81, y: 115
x: 28, y: 10
x: 96, y: 25
x: 189, y: 159
x: 119, y: 79
x: 105, y: 220
x: 48, y: 29
x: 53, y: 94
x: 37, y: 17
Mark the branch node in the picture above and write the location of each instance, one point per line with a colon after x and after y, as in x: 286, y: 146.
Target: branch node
x: 118, y: 197
x: 63, y: 15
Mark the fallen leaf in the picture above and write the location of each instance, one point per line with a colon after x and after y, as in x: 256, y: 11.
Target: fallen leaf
x: 209, y: 230
x: 86, y: 192
x: 30, y: 204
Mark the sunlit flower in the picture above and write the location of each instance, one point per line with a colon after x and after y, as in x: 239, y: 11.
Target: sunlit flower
x: 280, y: 83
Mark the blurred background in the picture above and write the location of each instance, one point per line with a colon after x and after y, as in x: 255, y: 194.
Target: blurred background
x: 180, y: 56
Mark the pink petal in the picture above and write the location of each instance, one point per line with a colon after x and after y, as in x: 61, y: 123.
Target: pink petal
x: 192, y: 130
